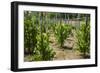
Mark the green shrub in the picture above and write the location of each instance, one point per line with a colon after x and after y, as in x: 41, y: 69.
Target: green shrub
x: 62, y: 32
x: 43, y: 51
x: 83, y: 39
x: 30, y: 33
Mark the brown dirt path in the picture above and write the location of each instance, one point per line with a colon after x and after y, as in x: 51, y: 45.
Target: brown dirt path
x: 68, y: 52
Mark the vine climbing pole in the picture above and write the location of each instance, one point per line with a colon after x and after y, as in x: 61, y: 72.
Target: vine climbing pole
x: 78, y: 18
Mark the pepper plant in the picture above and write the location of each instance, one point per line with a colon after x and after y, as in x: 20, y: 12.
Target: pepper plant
x: 30, y: 33
x: 62, y: 32
x: 83, y: 39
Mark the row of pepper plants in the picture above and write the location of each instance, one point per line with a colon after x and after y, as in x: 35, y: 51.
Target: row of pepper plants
x: 36, y: 36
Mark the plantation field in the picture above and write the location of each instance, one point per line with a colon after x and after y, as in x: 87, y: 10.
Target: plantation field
x: 56, y: 36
